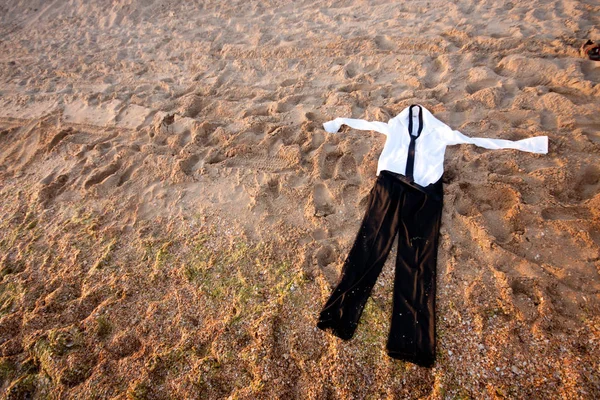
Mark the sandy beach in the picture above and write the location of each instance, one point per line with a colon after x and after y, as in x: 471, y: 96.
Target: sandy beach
x: 142, y: 258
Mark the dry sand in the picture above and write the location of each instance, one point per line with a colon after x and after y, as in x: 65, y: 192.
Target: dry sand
x: 144, y: 261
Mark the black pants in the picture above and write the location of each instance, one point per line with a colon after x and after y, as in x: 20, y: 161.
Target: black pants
x: 396, y: 205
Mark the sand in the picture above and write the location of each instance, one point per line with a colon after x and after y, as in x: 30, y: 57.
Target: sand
x: 140, y: 260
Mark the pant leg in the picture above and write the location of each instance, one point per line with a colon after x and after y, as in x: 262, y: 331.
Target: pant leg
x: 372, y: 245
x: 412, y: 332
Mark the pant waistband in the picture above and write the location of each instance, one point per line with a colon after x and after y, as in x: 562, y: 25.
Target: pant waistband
x: 435, y: 189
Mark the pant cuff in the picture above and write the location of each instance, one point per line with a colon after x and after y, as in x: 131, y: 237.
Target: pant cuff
x: 412, y: 358
x: 329, y: 326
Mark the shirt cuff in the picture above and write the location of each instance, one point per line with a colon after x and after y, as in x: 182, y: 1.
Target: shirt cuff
x: 332, y: 126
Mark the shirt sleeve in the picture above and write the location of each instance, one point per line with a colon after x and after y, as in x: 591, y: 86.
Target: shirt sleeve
x: 361, y: 124
x: 537, y: 144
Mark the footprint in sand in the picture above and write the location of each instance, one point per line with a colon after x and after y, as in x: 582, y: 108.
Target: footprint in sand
x: 100, y: 175
x: 58, y: 300
x: 588, y: 183
x: 325, y: 256
x: 496, y: 204
x: 124, y: 345
x: 126, y: 175
x: 286, y: 104
x: 190, y: 105
x: 187, y: 164
x: 51, y: 187
x: 88, y: 303
x: 481, y: 78
x: 436, y: 71
x: 325, y: 259
x: 268, y: 196
x: 327, y: 161
x: 322, y: 201
x: 566, y: 213
x: 526, y: 298
x: 384, y: 43
x: 345, y: 168
x: 58, y: 138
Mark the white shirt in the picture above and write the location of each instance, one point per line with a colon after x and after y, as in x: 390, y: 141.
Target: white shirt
x: 431, y: 136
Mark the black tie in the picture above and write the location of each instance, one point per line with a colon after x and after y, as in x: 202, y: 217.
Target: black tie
x: 410, y: 162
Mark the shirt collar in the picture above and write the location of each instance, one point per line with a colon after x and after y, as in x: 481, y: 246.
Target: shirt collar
x: 429, y: 121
